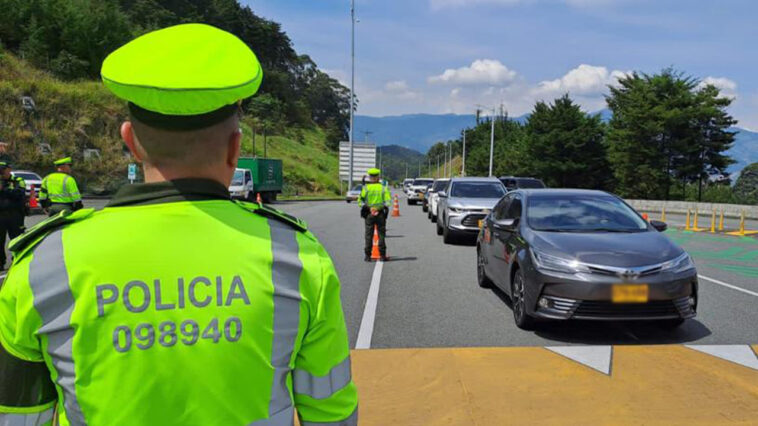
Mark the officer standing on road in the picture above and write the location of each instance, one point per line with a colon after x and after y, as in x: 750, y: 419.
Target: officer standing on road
x: 175, y: 305
x: 375, y: 201
x: 59, y: 191
x: 12, y: 207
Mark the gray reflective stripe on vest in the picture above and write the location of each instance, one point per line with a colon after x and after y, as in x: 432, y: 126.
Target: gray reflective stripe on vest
x: 286, y: 270
x: 350, y: 421
x: 54, y: 302
x: 320, y: 387
x: 30, y: 419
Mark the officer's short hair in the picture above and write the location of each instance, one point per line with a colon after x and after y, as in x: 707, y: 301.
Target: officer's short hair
x: 193, y: 148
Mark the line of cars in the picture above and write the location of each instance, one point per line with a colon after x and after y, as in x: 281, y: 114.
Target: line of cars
x: 561, y: 254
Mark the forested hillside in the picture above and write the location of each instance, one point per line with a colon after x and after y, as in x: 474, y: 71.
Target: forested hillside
x: 52, y: 52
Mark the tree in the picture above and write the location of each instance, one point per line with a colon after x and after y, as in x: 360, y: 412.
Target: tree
x: 665, y: 128
x: 565, y: 146
x: 746, y: 187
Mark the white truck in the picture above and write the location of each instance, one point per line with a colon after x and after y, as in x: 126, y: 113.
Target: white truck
x: 242, y: 185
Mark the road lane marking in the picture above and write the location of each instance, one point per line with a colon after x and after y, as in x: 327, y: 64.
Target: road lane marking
x: 596, y: 357
x: 733, y: 287
x: 369, y: 312
x: 738, y: 354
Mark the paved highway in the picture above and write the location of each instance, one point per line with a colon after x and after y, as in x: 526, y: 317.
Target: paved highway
x: 428, y: 296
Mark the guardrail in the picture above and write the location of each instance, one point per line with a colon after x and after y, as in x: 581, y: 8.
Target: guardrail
x: 730, y: 210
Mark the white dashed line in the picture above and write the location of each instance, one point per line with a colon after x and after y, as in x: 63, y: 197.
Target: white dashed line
x: 369, y: 312
x: 733, y: 287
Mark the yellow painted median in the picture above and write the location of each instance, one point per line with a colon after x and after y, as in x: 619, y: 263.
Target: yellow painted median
x: 497, y: 386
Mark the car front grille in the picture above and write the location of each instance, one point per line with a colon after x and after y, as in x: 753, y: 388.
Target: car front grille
x: 472, y: 220
x: 602, y: 309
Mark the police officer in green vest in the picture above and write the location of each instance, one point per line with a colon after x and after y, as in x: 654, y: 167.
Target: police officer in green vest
x: 375, y: 201
x: 59, y: 191
x: 175, y: 305
x: 12, y: 207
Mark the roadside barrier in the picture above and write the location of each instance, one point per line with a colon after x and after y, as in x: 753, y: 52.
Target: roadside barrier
x: 375, y: 255
x: 396, y: 207
x: 742, y: 232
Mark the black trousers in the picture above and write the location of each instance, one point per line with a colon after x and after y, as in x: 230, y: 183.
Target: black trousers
x: 380, y: 221
x: 11, y: 223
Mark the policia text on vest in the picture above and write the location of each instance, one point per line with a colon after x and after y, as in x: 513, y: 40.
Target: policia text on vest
x: 175, y: 305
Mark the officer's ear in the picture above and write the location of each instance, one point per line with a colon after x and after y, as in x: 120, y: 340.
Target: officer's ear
x: 127, y: 134
x: 233, y: 148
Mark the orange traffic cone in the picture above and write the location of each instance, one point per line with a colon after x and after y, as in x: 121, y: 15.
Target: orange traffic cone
x: 645, y: 216
x: 258, y: 198
x: 396, y: 208
x: 375, y: 255
x: 33, y: 204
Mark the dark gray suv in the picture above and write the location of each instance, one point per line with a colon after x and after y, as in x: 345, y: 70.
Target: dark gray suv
x: 580, y: 254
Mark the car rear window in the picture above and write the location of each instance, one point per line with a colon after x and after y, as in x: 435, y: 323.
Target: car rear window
x: 422, y: 182
x: 477, y: 190
x: 530, y: 183
x: 439, y: 185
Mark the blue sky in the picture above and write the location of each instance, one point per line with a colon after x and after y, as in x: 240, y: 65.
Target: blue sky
x: 441, y: 56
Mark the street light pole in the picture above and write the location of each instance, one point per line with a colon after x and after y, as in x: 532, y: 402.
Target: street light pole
x: 463, y: 157
x: 492, y: 140
x: 352, y: 92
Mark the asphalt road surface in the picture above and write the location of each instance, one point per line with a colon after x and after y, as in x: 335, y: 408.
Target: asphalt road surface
x: 428, y: 296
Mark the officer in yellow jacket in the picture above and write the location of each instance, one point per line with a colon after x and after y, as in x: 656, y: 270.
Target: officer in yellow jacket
x: 59, y: 190
x: 175, y: 305
x: 375, y: 201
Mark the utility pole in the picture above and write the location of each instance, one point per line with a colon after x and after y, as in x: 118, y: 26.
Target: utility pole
x: 438, y: 166
x: 492, y: 140
x: 406, y: 170
x: 450, y: 146
x: 352, y: 92
x: 463, y: 159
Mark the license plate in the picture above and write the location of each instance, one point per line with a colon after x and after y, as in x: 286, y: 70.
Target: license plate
x: 629, y: 293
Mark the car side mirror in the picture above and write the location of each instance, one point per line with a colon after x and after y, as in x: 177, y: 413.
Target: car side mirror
x: 505, y: 224
x: 658, y: 225
x: 442, y: 194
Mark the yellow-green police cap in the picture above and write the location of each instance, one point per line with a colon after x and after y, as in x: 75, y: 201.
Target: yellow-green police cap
x: 187, y: 69
x: 62, y: 161
x: 373, y: 172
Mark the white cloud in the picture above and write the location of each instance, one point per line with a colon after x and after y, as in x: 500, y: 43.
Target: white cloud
x: 481, y: 71
x: 582, y: 80
x: 396, y: 86
x: 726, y: 86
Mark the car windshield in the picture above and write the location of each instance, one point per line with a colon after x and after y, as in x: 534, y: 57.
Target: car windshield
x: 27, y: 176
x: 239, y: 178
x: 530, y: 183
x: 582, y: 213
x: 477, y: 190
x: 422, y: 182
x: 439, y: 185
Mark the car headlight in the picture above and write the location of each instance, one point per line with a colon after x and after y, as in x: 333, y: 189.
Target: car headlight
x: 457, y: 210
x: 549, y: 262
x: 680, y: 263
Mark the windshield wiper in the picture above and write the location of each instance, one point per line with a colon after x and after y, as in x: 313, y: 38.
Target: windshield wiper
x: 613, y: 230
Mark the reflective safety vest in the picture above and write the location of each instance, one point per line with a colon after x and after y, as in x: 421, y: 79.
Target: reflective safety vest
x: 190, y: 312
x: 375, y: 195
x: 59, y: 188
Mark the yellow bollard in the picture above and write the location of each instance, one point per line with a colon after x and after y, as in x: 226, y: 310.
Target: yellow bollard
x: 663, y: 214
x: 694, y: 221
x: 721, y: 221
x: 713, y: 221
x: 687, y: 226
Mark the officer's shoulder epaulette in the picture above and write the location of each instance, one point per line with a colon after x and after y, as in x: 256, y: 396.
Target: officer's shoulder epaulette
x: 21, y: 243
x: 272, y: 213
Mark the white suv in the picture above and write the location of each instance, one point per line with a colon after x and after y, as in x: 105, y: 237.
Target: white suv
x: 417, y: 190
x: 433, y: 198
